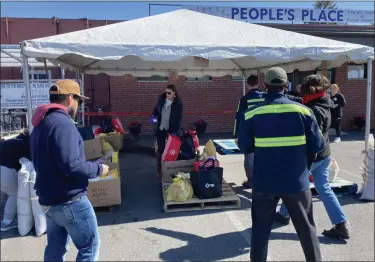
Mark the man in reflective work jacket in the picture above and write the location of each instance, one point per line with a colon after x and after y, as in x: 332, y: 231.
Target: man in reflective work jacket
x: 285, y: 138
x: 253, y: 97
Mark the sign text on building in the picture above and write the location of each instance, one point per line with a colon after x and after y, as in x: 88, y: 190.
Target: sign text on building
x: 291, y: 15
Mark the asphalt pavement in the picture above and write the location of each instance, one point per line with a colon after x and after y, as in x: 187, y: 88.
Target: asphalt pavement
x: 138, y: 230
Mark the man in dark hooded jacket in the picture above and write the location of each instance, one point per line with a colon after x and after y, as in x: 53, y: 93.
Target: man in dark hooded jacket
x: 57, y: 152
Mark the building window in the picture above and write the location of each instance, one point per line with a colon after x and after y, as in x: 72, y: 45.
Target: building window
x: 199, y: 79
x: 356, y: 71
x: 154, y: 78
x: 237, y: 78
x: 39, y: 75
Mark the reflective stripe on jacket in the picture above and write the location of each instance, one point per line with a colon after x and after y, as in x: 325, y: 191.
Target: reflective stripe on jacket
x: 252, y: 98
x: 284, y: 137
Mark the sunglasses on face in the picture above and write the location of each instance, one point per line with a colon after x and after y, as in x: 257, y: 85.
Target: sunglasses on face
x: 78, y: 99
x: 168, y: 93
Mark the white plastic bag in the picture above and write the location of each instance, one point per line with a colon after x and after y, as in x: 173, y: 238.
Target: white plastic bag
x: 24, y: 211
x: 367, y: 191
x: 39, y: 215
x: 333, y: 170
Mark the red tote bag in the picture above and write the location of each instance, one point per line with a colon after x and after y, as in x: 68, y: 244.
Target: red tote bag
x: 193, y: 134
x: 116, y: 125
x: 172, y: 149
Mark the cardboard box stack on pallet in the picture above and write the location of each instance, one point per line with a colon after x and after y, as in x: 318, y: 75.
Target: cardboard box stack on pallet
x: 105, y: 191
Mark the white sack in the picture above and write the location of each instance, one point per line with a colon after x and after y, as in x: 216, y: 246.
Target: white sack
x: 24, y: 211
x: 39, y: 215
x: 368, y: 173
x: 333, y: 170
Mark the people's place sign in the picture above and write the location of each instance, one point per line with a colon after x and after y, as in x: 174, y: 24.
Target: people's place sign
x: 291, y: 15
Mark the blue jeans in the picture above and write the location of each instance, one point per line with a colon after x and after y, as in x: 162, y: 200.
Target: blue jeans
x: 320, y: 174
x: 74, y: 220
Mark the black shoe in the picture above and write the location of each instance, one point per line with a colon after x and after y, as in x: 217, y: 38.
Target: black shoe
x: 339, y: 231
x: 247, y: 184
x: 282, y: 219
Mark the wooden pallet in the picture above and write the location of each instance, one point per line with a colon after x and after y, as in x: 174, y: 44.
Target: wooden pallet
x: 339, y: 186
x: 228, y: 200
x: 104, y: 210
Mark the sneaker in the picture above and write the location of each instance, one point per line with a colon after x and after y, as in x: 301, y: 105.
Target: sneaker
x: 7, y: 227
x: 282, y: 219
x: 337, y: 140
x: 247, y: 184
x: 339, y: 231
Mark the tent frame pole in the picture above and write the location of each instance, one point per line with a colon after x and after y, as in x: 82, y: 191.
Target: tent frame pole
x: 82, y: 85
x: 26, y: 80
x: 368, y: 102
x: 244, y: 83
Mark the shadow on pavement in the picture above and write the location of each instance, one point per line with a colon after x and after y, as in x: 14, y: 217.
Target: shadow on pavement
x: 214, y: 248
x: 294, y: 236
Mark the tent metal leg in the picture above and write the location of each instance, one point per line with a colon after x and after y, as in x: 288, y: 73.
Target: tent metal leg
x: 368, y: 101
x: 82, y: 84
x: 26, y: 80
x: 244, y: 84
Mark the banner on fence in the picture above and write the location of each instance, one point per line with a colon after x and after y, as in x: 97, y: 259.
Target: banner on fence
x: 290, y: 15
x: 13, y: 95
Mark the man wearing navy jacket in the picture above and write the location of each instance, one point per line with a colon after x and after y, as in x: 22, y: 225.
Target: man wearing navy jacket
x: 253, y: 97
x: 57, y: 152
x: 285, y: 138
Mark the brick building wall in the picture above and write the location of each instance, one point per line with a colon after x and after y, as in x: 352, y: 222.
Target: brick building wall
x: 220, y: 94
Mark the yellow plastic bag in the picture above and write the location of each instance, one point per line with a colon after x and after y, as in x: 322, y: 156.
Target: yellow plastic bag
x: 107, y: 150
x: 181, y: 189
x: 209, y: 150
x: 115, y: 157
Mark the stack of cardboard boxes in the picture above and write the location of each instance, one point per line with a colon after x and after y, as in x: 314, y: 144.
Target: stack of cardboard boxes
x: 105, y: 191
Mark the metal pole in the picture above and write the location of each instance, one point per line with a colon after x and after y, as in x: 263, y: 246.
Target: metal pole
x: 26, y: 80
x: 149, y: 9
x: 244, y: 84
x: 368, y: 102
x: 82, y: 84
x: 62, y: 73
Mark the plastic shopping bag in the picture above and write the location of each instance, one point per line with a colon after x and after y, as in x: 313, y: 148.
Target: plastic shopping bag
x: 333, y: 170
x: 39, y: 215
x: 181, y: 189
x: 172, y: 149
x: 24, y: 211
x: 367, y: 191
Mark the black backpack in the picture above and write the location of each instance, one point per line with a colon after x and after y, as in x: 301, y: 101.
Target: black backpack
x: 187, y: 149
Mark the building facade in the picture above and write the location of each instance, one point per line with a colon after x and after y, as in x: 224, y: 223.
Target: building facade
x: 213, y: 99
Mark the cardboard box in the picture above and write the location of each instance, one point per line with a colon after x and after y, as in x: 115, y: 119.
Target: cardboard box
x: 173, y: 167
x: 105, y: 192
x: 93, y: 149
x: 116, y: 141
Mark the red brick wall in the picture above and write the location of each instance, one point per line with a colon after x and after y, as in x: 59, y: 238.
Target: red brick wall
x: 219, y: 94
x: 128, y: 95
x: 355, y: 94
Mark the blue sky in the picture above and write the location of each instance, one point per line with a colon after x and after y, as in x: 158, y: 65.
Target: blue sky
x: 133, y: 10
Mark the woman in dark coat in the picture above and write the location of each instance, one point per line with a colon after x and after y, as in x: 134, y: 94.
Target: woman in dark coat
x: 337, y: 113
x: 168, y: 113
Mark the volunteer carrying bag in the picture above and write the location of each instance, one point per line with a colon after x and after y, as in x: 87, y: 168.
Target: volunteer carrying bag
x: 207, y: 183
x: 172, y: 149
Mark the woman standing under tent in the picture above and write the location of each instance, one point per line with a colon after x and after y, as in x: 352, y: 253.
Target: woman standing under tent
x: 337, y: 112
x: 168, y: 113
x: 314, y: 96
x: 11, y: 151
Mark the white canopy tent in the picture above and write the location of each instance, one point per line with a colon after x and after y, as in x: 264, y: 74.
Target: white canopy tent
x: 192, y: 44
